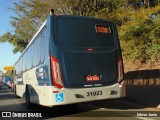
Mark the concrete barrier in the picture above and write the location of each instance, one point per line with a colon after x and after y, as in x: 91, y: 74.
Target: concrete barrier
x: 143, y: 86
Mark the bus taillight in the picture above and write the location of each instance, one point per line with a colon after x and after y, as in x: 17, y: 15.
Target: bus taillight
x: 120, y: 70
x: 56, y: 73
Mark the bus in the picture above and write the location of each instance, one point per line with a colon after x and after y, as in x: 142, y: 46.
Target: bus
x: 1, y: 79
x: 71, y: 59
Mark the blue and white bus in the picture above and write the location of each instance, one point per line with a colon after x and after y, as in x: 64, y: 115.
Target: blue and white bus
x: 71, y: 59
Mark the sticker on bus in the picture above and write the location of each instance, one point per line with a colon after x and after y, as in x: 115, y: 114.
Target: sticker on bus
x: 59, y: 97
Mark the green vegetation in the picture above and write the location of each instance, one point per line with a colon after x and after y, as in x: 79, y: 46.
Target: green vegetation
x: 138, y: 22
x: 142, y: 41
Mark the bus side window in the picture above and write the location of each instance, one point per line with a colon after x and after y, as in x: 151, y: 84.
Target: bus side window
x: 36, y: 51
x: 21, y: 65
x: 29, y: 57
x: 43, y: 40
x: 26, y: 52
x: 24, y: 61
x: 18, y: 67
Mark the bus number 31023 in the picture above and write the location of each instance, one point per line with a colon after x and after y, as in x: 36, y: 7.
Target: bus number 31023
x: 94, y: 93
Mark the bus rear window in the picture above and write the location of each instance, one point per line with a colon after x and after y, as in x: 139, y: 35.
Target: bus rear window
x: 82, y: 32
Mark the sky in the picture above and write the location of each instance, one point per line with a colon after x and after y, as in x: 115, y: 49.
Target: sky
x: 7, y: 57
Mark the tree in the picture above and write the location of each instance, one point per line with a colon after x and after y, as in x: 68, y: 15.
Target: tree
x: 30, y: 15
x: 19, y: 44
x: 137, y: 21
x: 141, y: 40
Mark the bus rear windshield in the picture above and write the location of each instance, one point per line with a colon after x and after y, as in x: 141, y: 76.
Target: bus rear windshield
x: 83, y: 32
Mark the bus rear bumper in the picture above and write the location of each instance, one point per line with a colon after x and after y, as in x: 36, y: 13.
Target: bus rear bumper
x: 78, y: 95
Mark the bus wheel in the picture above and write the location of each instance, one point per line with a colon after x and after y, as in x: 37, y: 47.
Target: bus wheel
x: 27, y: 97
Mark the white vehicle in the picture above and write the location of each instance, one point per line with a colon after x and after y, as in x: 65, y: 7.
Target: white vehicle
x: 71, y: 59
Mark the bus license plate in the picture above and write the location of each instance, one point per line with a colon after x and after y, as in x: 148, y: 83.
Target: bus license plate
x: 94, y: 93
x: 92, y: 77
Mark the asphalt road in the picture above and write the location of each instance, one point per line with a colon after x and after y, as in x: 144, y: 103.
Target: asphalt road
x: 106, y: 109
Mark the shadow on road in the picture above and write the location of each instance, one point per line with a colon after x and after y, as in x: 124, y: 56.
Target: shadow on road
x: 143, y: 92
x: 143, y: 86
x: 9, y: 102
x: 76, y: 110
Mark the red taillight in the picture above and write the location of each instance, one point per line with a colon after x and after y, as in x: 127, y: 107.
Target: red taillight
x: 55, y: 91
x: 56, y: 73
x: 120, y: 70
x: 90, y: 49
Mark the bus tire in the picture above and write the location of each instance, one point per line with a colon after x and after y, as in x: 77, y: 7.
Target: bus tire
x: 27, y: 98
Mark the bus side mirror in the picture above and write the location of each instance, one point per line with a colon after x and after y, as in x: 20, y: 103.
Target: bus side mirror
x: 13, y: 72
